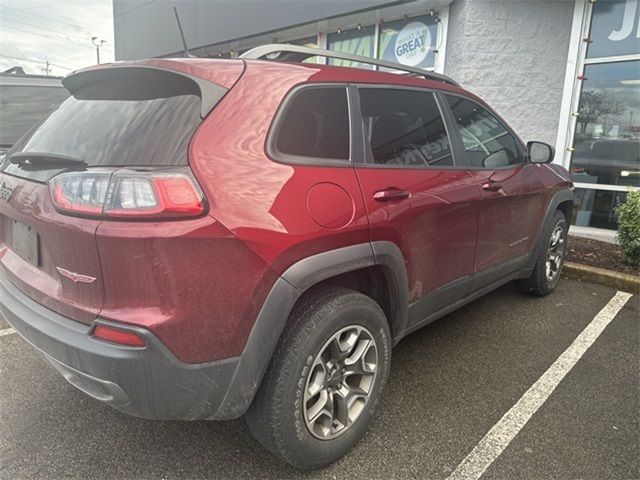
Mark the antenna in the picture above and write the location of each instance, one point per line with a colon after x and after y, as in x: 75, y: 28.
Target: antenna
x: 187, y: 53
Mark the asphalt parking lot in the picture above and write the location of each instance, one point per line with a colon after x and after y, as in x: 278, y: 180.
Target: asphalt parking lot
x: 450, y: 383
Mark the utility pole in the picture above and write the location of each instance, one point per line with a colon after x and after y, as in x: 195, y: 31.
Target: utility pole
x: 98, y: 43
x: 46, y: 69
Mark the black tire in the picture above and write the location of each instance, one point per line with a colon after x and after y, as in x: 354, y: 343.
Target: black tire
x: 539, y: 284
x: 276, y: 417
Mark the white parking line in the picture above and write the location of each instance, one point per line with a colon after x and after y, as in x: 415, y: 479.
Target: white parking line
x: 503, y: 432
x: 7, y: 331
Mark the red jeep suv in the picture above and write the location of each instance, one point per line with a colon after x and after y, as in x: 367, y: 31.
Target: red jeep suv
x: 203, y: 239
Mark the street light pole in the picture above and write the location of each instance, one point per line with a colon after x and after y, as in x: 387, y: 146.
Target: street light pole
x: 98, y: 43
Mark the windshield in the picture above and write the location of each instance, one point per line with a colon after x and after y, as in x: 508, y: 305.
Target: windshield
x: 22, y: 106
x: 129, y: 117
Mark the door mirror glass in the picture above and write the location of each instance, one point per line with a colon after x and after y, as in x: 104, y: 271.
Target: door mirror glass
x: 540, y: 152
x: 497, y: 159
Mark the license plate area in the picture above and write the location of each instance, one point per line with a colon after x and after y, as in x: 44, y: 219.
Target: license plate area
x: 25, y: 242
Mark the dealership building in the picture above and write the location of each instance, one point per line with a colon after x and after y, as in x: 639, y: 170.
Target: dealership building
x: 566, y: 72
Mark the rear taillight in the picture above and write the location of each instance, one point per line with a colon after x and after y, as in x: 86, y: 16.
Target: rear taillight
x: 127, y: 194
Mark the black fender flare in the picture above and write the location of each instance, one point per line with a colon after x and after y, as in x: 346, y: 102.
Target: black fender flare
x: 297, y: 279
x: 559, y: 197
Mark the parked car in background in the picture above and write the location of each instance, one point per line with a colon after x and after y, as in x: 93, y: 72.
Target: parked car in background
x: 200, y: 239
x: 607, y: 160
x: 24, y: 100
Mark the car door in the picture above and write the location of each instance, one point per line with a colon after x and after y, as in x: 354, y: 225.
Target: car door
x: 415, y: 196
x: 512, y: 192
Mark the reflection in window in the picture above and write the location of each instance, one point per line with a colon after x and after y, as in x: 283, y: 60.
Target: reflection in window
x: 316, y: 125
x: 486, y: 142
x: 128, y: 116
x: 404, y: 127
x: 614, y: 28
x: 607, y: 137
x: 596, y: 208
x: 21, y: 107
x: 356, y: 41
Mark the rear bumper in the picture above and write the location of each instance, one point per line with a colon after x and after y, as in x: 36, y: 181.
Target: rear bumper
x: 148, y: 382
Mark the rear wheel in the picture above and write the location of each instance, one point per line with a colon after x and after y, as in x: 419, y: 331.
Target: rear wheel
x: 326, y: 377
x: 548, y: 267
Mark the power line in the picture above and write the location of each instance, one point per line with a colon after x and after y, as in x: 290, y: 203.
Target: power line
x: 50, y: 19
x: 76, y: 35
x: 47, y: 18
x: 79, y: 36
x: 35, y: 61
x: 46, y: 36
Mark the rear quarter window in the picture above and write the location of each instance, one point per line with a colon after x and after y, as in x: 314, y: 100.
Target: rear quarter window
x: 313, y: 126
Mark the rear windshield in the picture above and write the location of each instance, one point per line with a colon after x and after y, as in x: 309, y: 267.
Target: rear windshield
x: 22, y: 106
x: 128, y: 116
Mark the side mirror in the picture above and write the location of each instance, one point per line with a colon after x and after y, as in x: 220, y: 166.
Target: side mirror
x: 498, y: 159
x: 540, y: 152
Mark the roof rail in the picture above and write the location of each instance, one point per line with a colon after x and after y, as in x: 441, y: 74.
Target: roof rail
x: 296, y: 53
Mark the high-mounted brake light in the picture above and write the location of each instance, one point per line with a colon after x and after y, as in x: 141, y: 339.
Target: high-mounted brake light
x: 117, y: 335
x: 127, y: 194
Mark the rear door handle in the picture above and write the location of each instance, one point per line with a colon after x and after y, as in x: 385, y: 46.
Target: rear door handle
x: 491, y: 186
x: 391, y: 193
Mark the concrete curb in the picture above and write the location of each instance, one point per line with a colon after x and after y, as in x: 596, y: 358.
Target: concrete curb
x: 620, y: 281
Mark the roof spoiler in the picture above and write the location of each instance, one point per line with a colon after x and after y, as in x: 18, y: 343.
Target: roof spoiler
x: 210, y: 93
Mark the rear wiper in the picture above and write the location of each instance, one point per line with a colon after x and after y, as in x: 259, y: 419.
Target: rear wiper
x: 39, y: 159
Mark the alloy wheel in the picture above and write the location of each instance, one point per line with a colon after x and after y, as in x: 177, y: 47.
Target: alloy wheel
x: 340, y: 382
x: 555, y: 253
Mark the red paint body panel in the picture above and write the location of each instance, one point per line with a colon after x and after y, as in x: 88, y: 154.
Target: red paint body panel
x: 260, y: 201
x: 435, y: 228
x: 192, y: 283
x: 199, y: 284
x: 509, y: 218
x: 65, y: 242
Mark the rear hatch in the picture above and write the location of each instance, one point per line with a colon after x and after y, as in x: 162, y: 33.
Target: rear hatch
x: 122, y: 128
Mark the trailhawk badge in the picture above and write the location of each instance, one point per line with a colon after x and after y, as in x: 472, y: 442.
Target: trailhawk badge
x: 5, y: 192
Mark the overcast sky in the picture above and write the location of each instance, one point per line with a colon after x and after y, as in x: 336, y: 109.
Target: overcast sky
x: 33, y: 31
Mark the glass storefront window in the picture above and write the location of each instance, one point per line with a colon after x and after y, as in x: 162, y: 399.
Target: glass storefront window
x: 614, y: 28
x: 409, y: 42
x: 607, y: 135
x: 303, y: 42
x: 595, y: 208
x: 356, y: 41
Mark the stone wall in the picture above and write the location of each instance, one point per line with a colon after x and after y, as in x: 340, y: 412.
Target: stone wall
x: 513, y: 54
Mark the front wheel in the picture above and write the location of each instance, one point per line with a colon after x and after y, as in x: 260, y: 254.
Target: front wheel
x: 548, y: 267
x: 326, y: 377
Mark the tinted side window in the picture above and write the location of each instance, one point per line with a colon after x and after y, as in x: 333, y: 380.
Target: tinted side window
x: 316, y: 124
x: 404, y: 127
x: 486, y: 142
